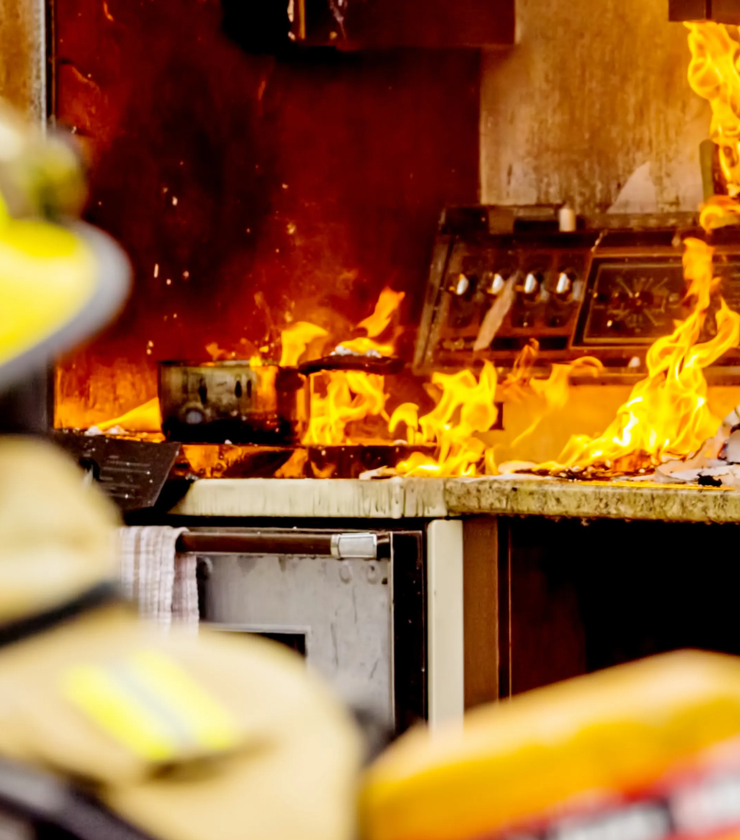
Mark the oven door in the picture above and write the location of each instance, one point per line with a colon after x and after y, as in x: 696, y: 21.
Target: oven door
x: 353, y: 603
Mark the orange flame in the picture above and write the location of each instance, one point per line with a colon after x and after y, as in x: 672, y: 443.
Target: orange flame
x: 554, y: 391
x: 353, y: 396
x: 296, y: 338
x: 466, y: 408
x: 143, y: 418
x: 719, y: 211
x: 713, y: 74
x: 667, y: 415
x: 387, y: 304
x: 349, y: 396
x: 376, y: 324
x: 217, y: 353
x: 522, y: 370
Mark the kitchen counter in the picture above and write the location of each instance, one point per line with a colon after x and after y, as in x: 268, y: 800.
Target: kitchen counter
x: 399, y: 498
x: 393, y: 498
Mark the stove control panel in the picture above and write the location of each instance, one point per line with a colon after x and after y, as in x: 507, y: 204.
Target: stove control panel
x: 633, y: 301
x: 609, y: 295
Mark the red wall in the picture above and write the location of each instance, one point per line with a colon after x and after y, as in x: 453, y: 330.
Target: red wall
x: 303, y: 185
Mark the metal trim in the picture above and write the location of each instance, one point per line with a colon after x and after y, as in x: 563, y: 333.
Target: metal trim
x: 355, y: 546
x: 409, y: 659
x: 425, y: 339
x: 39, y: 68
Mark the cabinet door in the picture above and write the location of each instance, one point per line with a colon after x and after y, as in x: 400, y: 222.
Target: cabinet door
x: 368, y: 24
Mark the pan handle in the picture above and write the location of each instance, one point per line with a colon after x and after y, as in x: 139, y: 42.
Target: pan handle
x: 384, y: 366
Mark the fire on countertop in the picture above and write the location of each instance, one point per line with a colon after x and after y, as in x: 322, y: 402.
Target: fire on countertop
x: 665, y: 430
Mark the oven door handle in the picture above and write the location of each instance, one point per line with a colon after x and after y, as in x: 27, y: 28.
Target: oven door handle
x: 354, y: 546
x: 344, y: 545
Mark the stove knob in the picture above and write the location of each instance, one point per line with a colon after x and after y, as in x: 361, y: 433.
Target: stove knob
x: 192, y: 414
x: 459, y: 285
x: 494, y: 283
x: 564, y: 286
x: 532, y: 283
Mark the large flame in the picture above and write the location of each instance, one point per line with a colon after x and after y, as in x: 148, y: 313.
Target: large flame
x: 341, y: 398
x: 667, y: 414
x: 375, y: 325
x: 466, y: 407
x: 295, y: 339
x: 713, y: 74
x: 350, y: 397
x: 145, y: 418
x: 346, y: 397
x: 466, y: 411
x: 552, y: 393
x: 378, y: 322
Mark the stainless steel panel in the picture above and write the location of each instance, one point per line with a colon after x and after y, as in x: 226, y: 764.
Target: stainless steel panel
x: 344, y: 607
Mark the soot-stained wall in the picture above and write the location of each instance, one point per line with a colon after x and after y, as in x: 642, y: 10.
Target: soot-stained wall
x: 250, y: 189
x: 593, y: 107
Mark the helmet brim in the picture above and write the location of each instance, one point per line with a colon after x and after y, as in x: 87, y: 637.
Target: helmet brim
x: 110, y: 287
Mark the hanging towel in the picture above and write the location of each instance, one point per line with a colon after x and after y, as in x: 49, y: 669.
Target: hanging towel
x: 162, y: 582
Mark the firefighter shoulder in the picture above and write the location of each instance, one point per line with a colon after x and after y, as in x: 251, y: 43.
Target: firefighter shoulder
x: 186, y: 738
x: 600, y: 756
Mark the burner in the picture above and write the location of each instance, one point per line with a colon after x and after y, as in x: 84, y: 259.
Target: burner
x: 351, y: 461
x: 140, y: 474
x: 348, y: 461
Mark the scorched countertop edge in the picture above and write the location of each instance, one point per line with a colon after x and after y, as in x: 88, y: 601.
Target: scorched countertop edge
x: 401, y: 498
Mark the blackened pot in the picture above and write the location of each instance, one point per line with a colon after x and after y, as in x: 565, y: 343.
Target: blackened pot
x: 239, y: 402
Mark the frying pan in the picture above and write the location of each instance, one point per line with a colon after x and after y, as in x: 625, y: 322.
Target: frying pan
x: 214, y: 402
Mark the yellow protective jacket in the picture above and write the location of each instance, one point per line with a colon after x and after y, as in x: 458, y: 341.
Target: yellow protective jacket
x: 187, y: 738
x: 602, y: 737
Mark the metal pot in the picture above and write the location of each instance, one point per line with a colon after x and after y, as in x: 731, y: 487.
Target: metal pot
x: 214, y: 402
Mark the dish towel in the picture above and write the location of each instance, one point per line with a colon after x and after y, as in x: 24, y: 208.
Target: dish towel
x: 162, y: 582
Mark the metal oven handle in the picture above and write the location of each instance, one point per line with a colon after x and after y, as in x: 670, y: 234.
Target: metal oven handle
x: 343, y: 546
x: 354, y: 546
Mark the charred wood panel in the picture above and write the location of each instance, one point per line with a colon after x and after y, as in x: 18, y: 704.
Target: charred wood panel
x: 721, y: 11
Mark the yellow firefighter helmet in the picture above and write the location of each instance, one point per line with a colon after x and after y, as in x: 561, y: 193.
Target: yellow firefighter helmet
x: 60, y: 280
x: 182, y: 738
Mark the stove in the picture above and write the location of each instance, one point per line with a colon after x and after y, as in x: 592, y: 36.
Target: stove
x: 519, y: 601
x: 231, y: 461
x: 139, y: 475
x: 500, y: 280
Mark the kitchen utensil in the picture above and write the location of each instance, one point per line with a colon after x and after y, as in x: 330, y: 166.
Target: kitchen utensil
x: 239, y: 402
